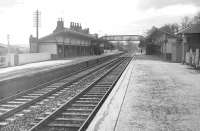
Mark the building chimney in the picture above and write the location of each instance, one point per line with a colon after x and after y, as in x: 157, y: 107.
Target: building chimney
x: 70, y: 25
x: 60, y: 25
x: 76, y: 25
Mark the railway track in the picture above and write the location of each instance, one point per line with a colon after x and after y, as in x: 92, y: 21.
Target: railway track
x: 77, y: 113
x: 20, y: 102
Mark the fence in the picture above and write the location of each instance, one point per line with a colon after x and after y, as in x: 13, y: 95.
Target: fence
x: 193, y: 58
x: 31, y: 58
x: 20, y: 59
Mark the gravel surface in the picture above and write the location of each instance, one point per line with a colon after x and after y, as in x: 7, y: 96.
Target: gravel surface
x: 39, y: 109
x: 161, y: 96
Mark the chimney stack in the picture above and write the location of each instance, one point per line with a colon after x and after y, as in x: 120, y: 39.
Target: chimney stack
x: 60, y: 25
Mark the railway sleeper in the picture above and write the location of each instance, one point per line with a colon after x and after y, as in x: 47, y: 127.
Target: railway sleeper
x: 99, y: 90
x: 9, y: 106
x: 62, y: 127
x: 23, y: 99
x: 89, y: 98
x: 74, y: 114
x: 93, y: 96
x: 95, y: 93
x: 68, y: 120
x: 82, y: 107
x: 87, y: 102
x: 78, y: 110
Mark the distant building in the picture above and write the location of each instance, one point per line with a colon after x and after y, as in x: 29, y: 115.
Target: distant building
x: 14, y: 49
x: 190, y: 39
x: 67, y: 42
x: 164, y: 44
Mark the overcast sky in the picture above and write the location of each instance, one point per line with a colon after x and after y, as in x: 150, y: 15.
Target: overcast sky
x: 101, y: 16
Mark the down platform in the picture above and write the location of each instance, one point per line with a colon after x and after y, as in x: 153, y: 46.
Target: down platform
x: 152, y: 95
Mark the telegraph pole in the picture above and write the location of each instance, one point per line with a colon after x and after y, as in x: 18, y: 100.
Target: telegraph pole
x: 37, y: 22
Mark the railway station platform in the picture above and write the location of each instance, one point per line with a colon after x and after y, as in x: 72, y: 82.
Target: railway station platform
x: 27, y: 69
x: 19, y: 78
x: 152, y: 95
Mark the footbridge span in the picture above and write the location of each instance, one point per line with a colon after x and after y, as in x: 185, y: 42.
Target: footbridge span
x: 122, y: 37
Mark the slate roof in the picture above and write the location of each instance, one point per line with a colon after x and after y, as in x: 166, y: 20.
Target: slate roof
x: 68, y: 31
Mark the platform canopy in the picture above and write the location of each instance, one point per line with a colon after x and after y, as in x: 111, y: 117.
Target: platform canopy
x: 122, y: 37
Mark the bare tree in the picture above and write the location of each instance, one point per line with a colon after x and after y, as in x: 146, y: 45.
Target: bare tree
x: 153, y: 28
x: 170, y: 28
x: 186, y: 21
x: 174, y: 28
